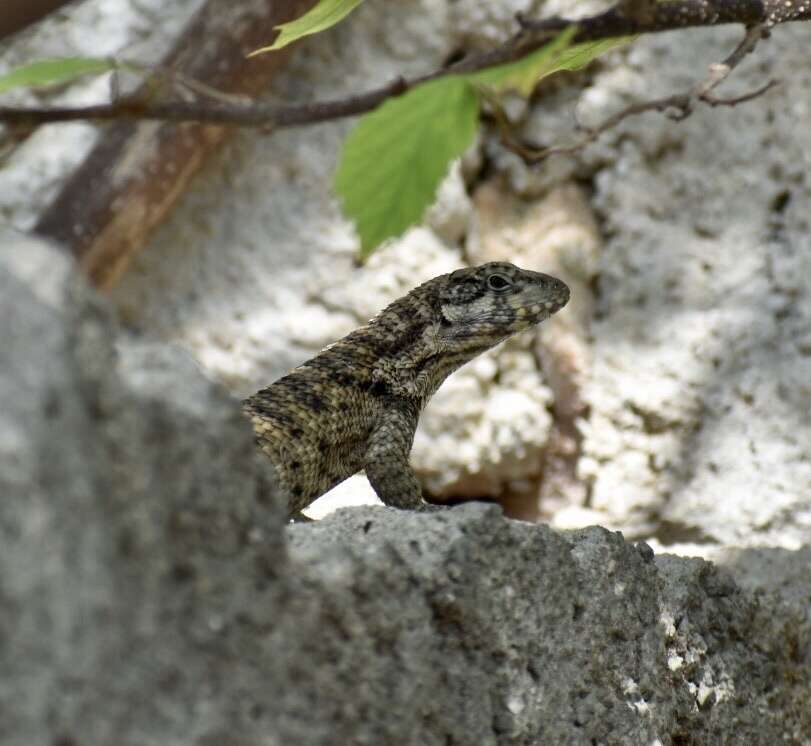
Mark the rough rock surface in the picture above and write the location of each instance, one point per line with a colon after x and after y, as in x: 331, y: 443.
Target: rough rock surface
x: 151, y: 595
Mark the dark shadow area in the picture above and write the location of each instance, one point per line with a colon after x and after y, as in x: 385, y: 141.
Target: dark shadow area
x: 784, y: 572
x: 18, y: 14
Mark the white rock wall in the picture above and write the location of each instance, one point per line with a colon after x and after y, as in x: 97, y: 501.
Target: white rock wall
x: 701, y: 417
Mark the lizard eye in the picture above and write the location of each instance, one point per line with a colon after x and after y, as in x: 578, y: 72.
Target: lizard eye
x: 499, y: 282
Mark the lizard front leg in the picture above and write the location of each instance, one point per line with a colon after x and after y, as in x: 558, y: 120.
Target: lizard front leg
x: 386, y: 459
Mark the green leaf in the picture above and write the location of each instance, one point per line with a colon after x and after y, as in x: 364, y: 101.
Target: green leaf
x: 523, y: 75
x: 53, y: 71
x: 394, y: 159
x: 578, y: 56
x: 327, y: 13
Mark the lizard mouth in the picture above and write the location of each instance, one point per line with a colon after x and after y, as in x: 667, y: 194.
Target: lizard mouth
x: 539, y: 301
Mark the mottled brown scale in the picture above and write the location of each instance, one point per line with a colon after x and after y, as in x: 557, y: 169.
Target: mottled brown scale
x: 356, y: 404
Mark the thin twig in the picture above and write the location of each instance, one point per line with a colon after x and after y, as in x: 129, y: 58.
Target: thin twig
x: 743, y: 98
x: 720, y: 71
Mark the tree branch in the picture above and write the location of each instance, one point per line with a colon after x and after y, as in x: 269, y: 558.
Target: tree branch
x: 619, y: 21
x: 673, y: 15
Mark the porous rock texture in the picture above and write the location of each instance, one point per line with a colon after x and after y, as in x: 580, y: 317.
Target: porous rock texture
x: 152, y: 595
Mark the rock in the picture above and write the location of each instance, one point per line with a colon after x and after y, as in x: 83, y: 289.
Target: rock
x: 536, y: 637
x: 486, y: 428
x: 151, y: 595
x: 131, y: 490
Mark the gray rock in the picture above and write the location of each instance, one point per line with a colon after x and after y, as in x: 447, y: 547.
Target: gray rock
x: 149, y: 594
x: 130, y: 490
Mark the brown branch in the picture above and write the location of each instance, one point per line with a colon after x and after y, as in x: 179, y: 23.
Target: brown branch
x: 672, y: 15
x: 678, y: 106
x: 660, y: 16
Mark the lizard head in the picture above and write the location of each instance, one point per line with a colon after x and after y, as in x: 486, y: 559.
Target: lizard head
x: 447, y: 321
x: 480, y: 306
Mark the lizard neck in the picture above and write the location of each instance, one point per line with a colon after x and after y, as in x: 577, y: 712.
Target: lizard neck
x: 416, y: 348
x: 417, y: 370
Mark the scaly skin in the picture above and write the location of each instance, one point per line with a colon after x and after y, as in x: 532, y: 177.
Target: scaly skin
x: 356, y: 404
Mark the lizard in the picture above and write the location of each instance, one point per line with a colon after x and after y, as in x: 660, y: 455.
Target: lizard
x: 355, y: 405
